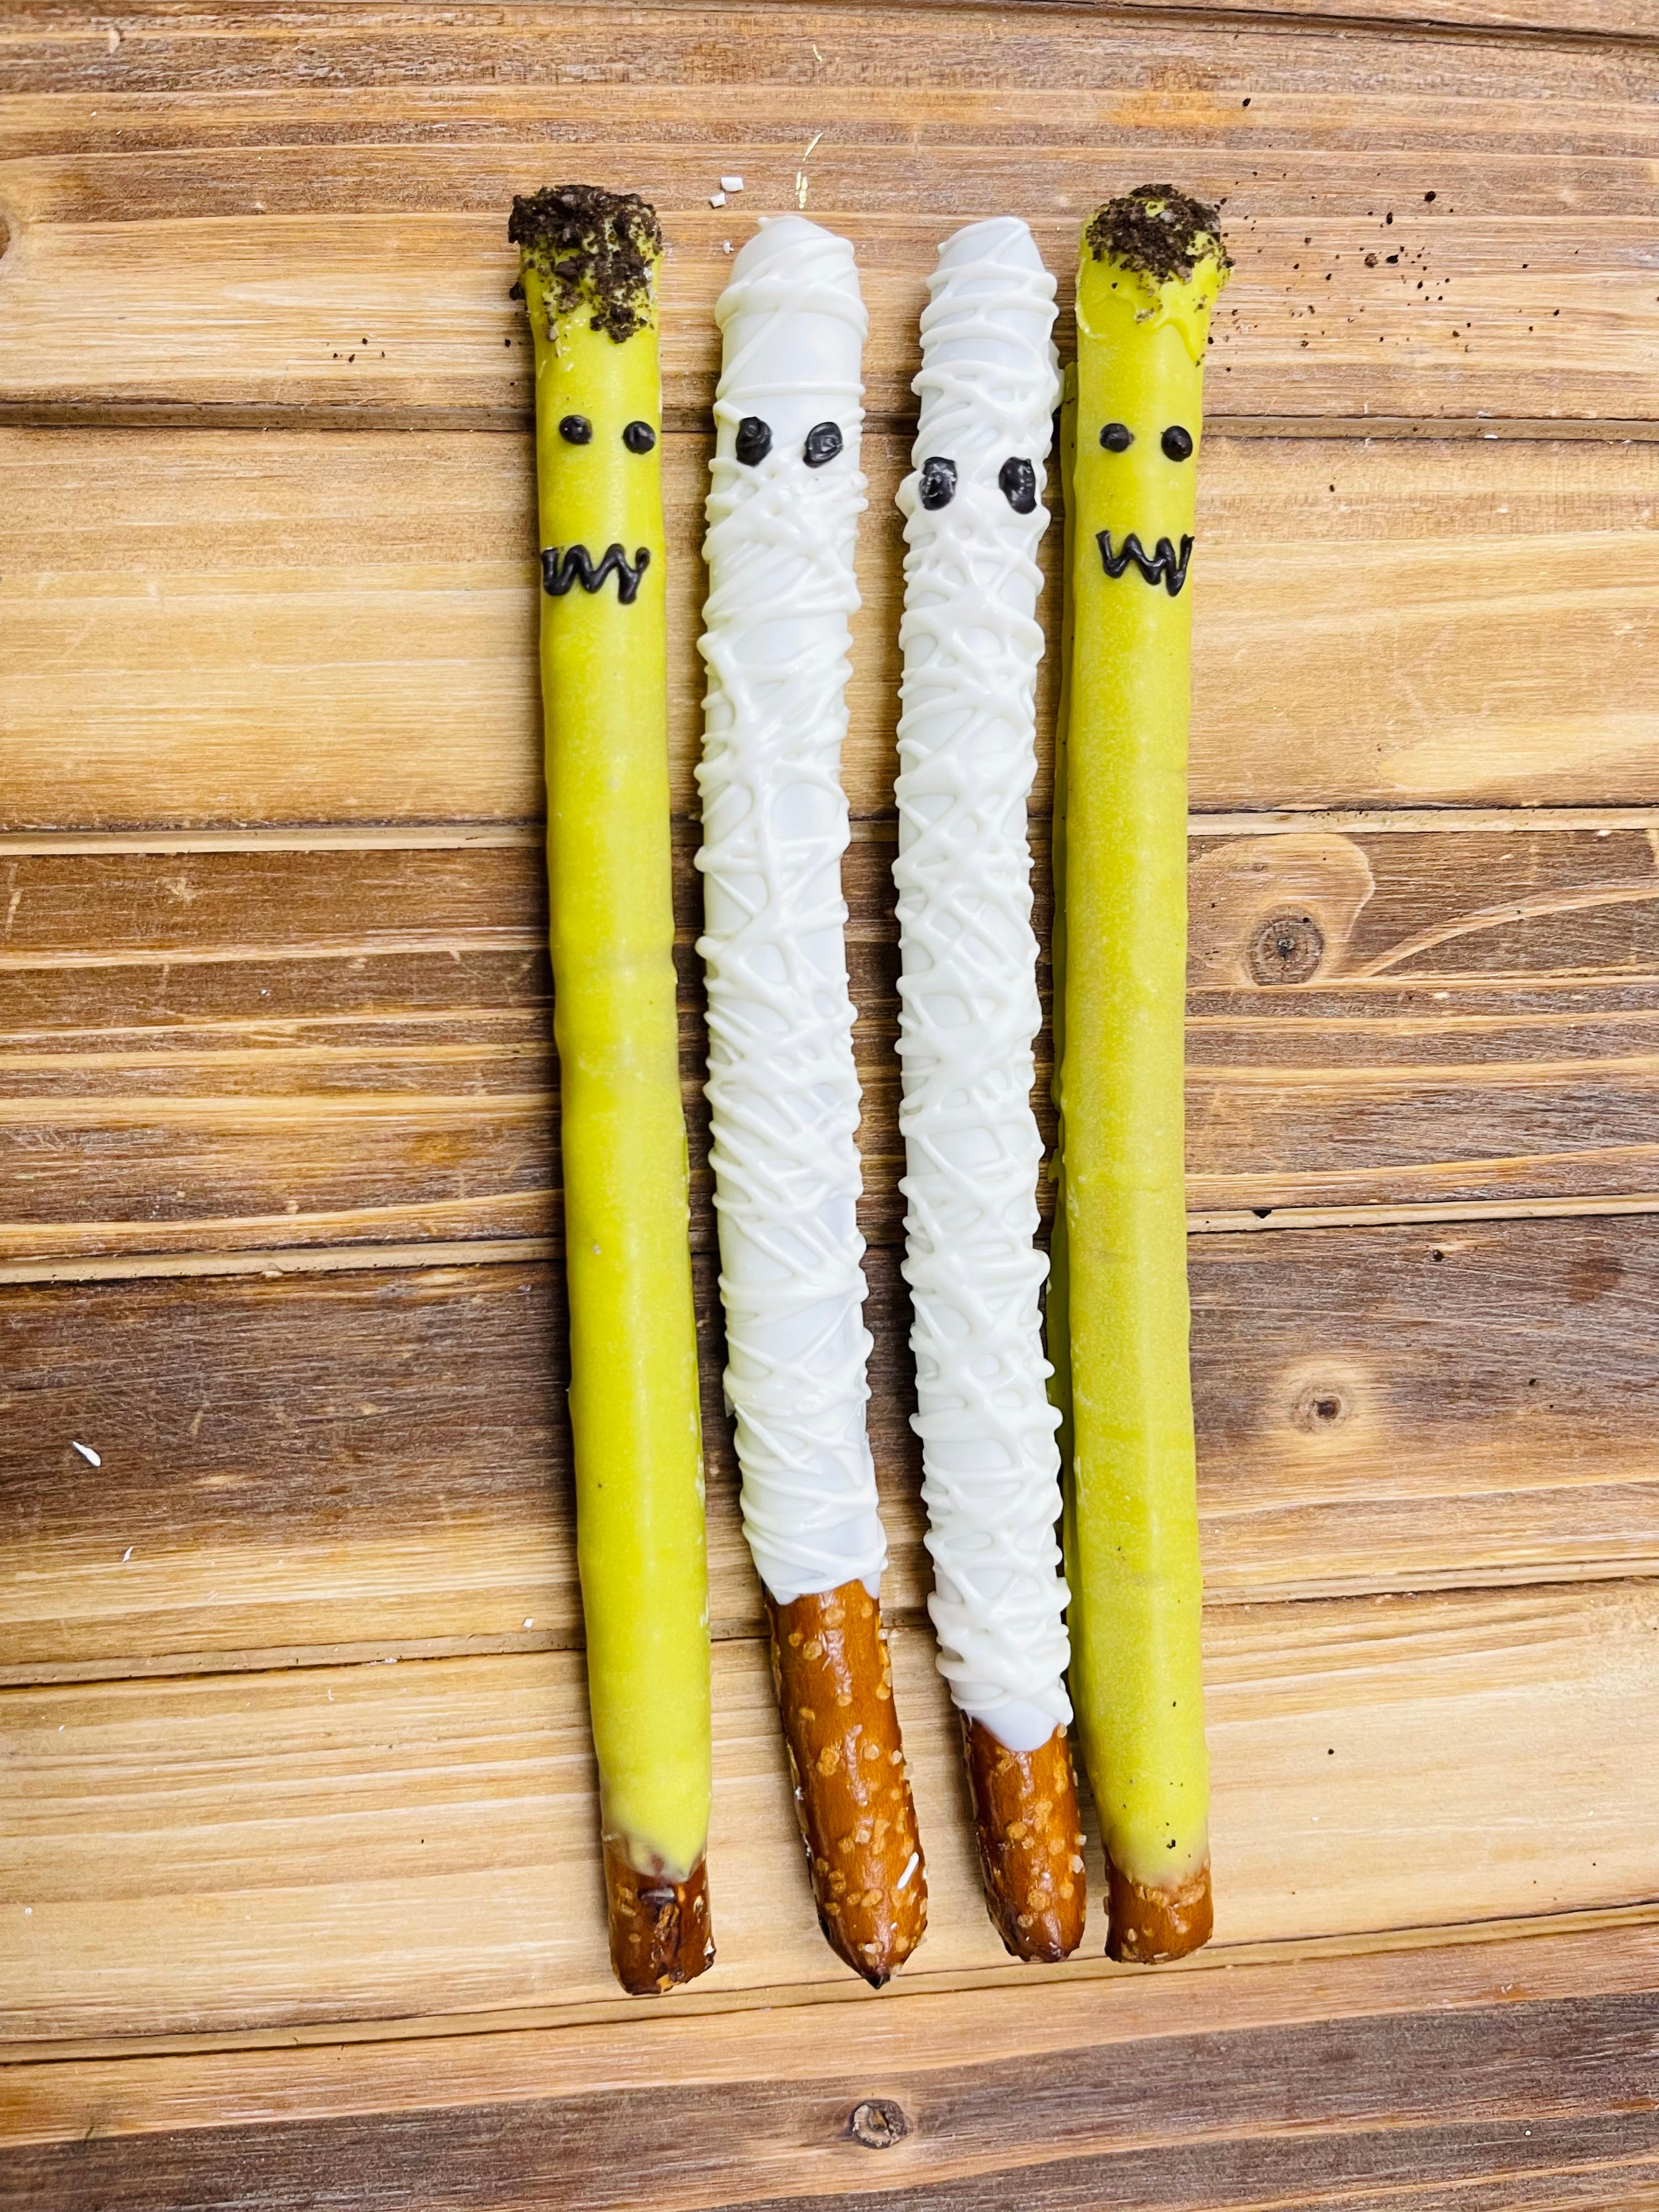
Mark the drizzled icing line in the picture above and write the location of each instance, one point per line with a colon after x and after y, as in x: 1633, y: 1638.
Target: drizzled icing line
x: 782, y: 1092
x: 968, y: 999
x: 1159, y: 565
x: 563, y: 566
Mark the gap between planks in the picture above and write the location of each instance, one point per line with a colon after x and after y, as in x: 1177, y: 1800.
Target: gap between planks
x: 518, y: 422
x: 1340, y: 21
x: 1264, y: 16
x: 518, y: 836
x: 1294, y: 1952
x: 300, y: 1658
x: 304, y: 1658
x: 274, y: 1263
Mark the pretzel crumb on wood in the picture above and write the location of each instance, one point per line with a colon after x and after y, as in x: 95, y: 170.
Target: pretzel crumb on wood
x: 1149, y: 1925
x: 1031, y: 1841
x: 661, y: 1934
x: 834, y: 1678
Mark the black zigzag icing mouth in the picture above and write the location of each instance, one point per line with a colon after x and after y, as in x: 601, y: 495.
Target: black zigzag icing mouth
x: 1160, y: 566
x: 563, y: 566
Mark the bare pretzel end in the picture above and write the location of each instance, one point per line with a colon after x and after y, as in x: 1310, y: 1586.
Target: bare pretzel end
x: 1031, y: 1854
x: 661, y: 1934
x: 835, y: 1683
x: 1150, y: 1924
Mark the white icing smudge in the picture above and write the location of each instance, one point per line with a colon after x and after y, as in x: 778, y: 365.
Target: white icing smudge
x: 782, y: 1092
x: 968, y: 999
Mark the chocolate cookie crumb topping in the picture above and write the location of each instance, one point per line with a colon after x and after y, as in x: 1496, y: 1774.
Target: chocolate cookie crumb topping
x: 1156, y: 231
x: 591, y: 248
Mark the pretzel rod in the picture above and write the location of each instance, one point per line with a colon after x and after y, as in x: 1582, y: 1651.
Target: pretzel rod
x: 1030, y: 1842
x: 660, y: 1932
x: 974, y: 522
x: 783, y: 1094
x: 835, y: 1686
x: 1152, y: 265
x: 589, y: 259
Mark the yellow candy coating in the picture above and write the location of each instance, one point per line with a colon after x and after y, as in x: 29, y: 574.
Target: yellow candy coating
x: 1132, y: 1526
x: 634, y: 1403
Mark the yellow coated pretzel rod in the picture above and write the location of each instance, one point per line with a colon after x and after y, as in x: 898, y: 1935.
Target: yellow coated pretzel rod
x: 588, y: 268
x: 1152, y: 265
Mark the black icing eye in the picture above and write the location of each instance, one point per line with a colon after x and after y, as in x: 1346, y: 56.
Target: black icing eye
x: 754, y: 439
x: 638, y: 437
x: 938, y: 486
x: 1017, y: 480
x: 823, y: 443
x: 1178, y: 443
x: 576, y: 430
x: 1117, y: 437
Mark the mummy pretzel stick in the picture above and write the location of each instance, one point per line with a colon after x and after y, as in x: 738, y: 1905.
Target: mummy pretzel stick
x: 782, y: 1090
x: 589, y: 261
x: 974, y: 519
x: 1152, y: 262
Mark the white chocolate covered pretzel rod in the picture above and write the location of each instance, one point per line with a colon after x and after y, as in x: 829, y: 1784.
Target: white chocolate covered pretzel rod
x: 783, y: 1094
x: 974, y: 520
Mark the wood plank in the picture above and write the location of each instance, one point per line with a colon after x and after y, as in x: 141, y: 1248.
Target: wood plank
x: 362, y: 219
x: 1397, y: 1407
x: 1457, y: 622
x: 378, y: 1459
x: 1607, y: 19
x: 1340, y: 2151
x: 222, y: 1852
x: 405, y: 2066
x: 255, y: 1050
x: 367, y: 603
x: 233, y: 1050
x: 287, y: 1040
x: 1539, y: 2105
x: 1361, y: 1001
x: 381, y: 1457
x: 72, y: 59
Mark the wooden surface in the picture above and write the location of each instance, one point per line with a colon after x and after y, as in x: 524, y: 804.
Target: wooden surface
x: 299, y: 1896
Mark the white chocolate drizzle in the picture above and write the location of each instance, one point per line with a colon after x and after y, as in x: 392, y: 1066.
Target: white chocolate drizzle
x: 782, y: 1090
x: 968, y: 998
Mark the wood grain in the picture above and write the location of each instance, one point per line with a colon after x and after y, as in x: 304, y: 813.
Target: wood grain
x: 1544, y: 2105
x: 352, y: 252
x: 379, y: 1460
x: 222, y: 1852
x: 284, y: 1047
x: 1454, y: 621
x: 305, y: 2074
x: 296, y: 1009
x: 75, y: 58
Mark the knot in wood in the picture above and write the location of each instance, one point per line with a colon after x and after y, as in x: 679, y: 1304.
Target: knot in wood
x: 1286, y: 949
x: 1321, y: 1405
x: 877, y: 2124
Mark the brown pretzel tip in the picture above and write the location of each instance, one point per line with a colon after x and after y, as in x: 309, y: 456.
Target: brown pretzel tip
x: 660, y: 1933
x: 835, y: 1684
x: 1026, y: 1820
x: 1149, y: 1925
